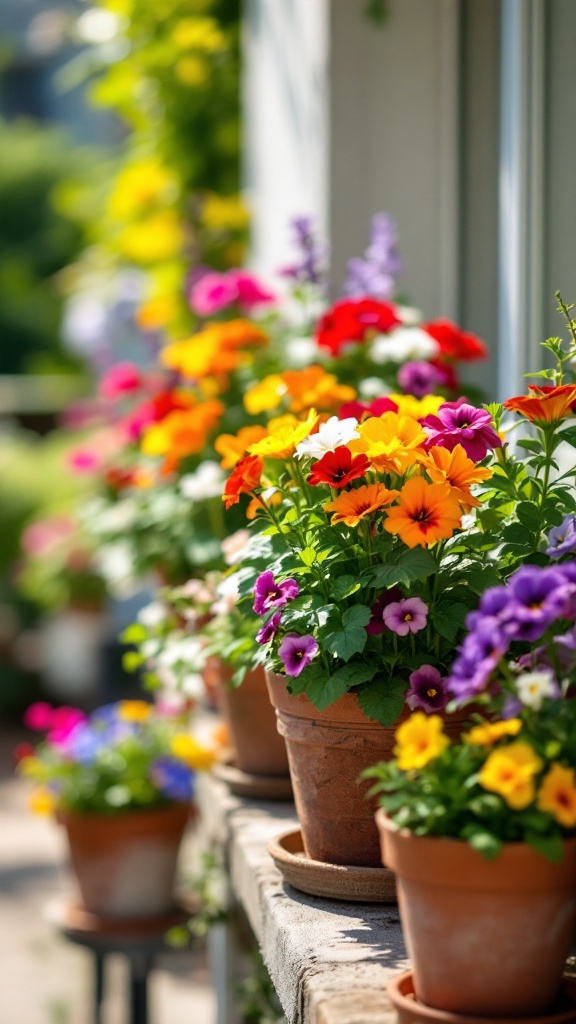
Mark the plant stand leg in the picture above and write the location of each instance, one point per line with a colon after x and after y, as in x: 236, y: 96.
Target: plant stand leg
x: 139, y: 969
x: 99, y: 963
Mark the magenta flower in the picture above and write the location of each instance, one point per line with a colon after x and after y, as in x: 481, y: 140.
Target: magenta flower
x: 38, y: 716
x: 297, y: 652
x: 406, y: 616
x: 64, y: 721
x: 84, y: 460
x: 214, y: 291
x: 420, y: 378
x: 427, y: 690
x: 377, y: 624
x: 268, y: 594
x: 120, y: 379
x: 269, y: 629
x: 250, y: 290
x: 461, y: 423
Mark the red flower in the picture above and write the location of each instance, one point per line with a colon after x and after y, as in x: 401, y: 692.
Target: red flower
x: 338, y: 468
x: 243, y: 480
x: 455, y: 344
x: 22, y: 750
x: 359, y: 409
x: 350, y: 320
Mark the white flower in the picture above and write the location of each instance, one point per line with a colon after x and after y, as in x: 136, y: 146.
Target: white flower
x: 301, y: 352
x: 206, y: 482
x: 403, y: 345
x: 331, y: 435
x: 228, y: 595
x: 533, y: 687
x: 409, y: 315
x: 373, y: 387
x: 152, y: 614
x: 234, y: 547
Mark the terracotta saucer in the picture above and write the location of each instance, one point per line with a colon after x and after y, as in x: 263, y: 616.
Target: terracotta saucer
x: 400, y: 991
x: 334, y: 881
x: 258, y: 787
x: 72, y: 917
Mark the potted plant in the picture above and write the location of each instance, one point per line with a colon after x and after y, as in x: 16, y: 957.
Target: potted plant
x: 481, y: 833
x: 121, y: 782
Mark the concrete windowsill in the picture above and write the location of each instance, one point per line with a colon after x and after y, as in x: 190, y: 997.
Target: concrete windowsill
x: 329, y: 960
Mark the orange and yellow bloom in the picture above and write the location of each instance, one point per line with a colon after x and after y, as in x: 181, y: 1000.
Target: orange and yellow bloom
x: 351, y: 507
x: 233, y: 446
x: 419, y: 740
x: 284, y: 435
x: 245, y: 477
x: 546, y: 404
x: 425, y: 513
x: 392, y: 442
x: 488, y: 733
x: 510, y: 772
x: 456, y: 469
x: 557, y: 795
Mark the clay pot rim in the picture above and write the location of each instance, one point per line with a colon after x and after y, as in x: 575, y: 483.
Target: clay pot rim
x: 167, y: 810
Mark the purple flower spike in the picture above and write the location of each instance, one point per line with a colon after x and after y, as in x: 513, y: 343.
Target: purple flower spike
x: 420, y: 378
x: 268, y: 594
x: 269, y: 629
x: 308, y: 268
x: 376, y: 274
x: 562, y: 539
x: 427, y: 690
x: 297, y: 652
x: 406, y: 616
x: 462, y: 423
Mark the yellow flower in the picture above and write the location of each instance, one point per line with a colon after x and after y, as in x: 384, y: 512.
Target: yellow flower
x: 30, y: 767
x: 216, y: 350
x: 457, y: 470
x: 488, y: 733
x: 157, y: 312
x: 408, y: 405
x: 313, y: 388
x: 419, y: 740
x: 192, y: 71
x: 224, y: 213
x: 139, y: 186
x: 265, y: 395
x: 134, y: 711
x: 189, y: 750
x: 282, y: 441
x: 41, y: 801
x: 392, y: 442
x: 509, y: 771
x: 199, y: 34
x: 557, y: 795
x: 182, y: 432
x: 233, y: 446
x: 159, y: 237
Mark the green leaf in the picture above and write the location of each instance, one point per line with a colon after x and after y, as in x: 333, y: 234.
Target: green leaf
x: 351, y: 639
x: 383, y: 699
x: 549, y: 846
x: 530, y: 446
x: 134, y: 634
x: 131, y: 661
x: 416, y: 564
x: 323, y: 690
x: 483, y: 842
x: 344, y: 586
x: 569, y: 435
x: 480, y: 577
x: 448, y: 620
x: 528, y: 515
x: 308, y: 556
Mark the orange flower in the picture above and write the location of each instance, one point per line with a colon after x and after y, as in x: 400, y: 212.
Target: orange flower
x: 425, y: 513
x: 284, y: 434
x: 456, y: 469
x: 233, y: 446
x: 392, y: 442
x: 546, y: 404
x: 215, y: 350
x: 182, y: 432
x: 352, y: 506
x: 313, y: 388
x: 243, y: 480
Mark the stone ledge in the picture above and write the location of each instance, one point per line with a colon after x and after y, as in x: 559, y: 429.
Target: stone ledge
x: 329, y: 960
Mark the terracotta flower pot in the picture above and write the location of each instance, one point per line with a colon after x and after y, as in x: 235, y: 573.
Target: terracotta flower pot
x: 259, y: 749
x: 485, y: 937
x: 125, y: 863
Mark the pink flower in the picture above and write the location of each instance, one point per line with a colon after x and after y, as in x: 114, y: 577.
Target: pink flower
x: 120, y: 379
x: 214, y: 291
x: 251, y: 291
x: 64, y: 721
x: 41, y: 537
x: 406, y: 616
x: 84, y: 460
x: 38, y: 716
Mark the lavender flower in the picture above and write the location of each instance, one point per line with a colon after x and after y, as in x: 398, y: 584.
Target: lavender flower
x: 308, y: 269
x: 562, y: 539
x: 268, y: 594
x: 420, y: 378
x: 406, y: 616
x: 269, y: 629
x: 173, y: 778
x: 376, y: 274
x: 297, y: 652
x: 461, y: 423
x: 479, y: 655
x: 537, y: 597
x: 427, y: 690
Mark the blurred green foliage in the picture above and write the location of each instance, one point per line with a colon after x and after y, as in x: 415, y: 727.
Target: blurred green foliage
x: 36, y: 241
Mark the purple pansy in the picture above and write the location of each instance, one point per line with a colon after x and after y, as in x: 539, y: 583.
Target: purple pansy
x: 406, y: 616
x: 268, y: 631
x: 562, y: 539
x: 377, y: 624
x: 537, y: 597
x: 173, y: 778
x: 427, y: 690
x: 376, y: 274
x: 84, y: 743
x: 464, y: 424
x: 420, y: 378
x: 297, y: 652
x: 479, y: 655
x: 268, y: 594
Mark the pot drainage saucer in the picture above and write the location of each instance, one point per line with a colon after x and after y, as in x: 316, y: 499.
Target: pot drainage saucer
x: 334, y: 881
x: 258, y: 787
x: 400, y: 991
x: 73, y: 919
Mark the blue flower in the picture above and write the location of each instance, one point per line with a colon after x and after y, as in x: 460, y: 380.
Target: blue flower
x: 173, y: 778
x: 562, y: 539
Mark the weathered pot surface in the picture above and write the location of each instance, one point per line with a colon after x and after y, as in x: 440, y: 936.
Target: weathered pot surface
x: 258, y: 747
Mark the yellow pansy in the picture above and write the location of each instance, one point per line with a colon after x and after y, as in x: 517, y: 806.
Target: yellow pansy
x: 134, y: 711
x: 224, y: 212
x: 392, y: 442
x: 42, y: 801
x: 189, y: 750
x: 509, y: 771
x: 419, y: 740
x: 233, y: 446
x: 488, y: 733
x: 158, y: 237
x: 265, y: 396
x: 417, y: 407
x: 282, y: 441
x: 557, y: 795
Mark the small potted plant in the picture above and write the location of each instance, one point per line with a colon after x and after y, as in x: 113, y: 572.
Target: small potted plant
x: 481, y: 833
x: 121, y: 781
